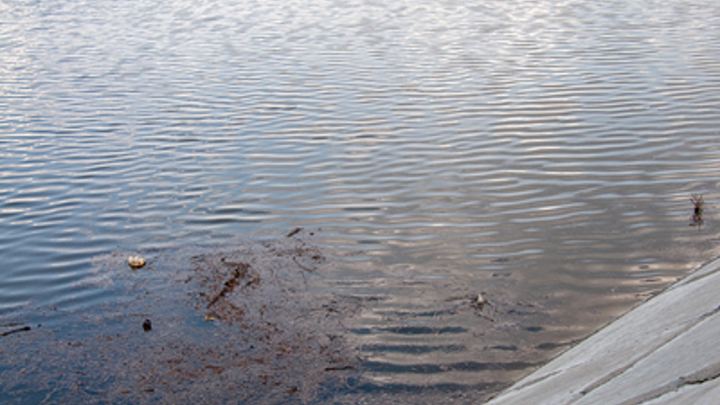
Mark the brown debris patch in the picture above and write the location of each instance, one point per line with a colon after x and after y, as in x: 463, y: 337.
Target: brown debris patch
x: 275, y: 339
x: 239, y: 271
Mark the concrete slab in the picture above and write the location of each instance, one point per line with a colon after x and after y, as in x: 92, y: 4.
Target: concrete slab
x: 662, y: 349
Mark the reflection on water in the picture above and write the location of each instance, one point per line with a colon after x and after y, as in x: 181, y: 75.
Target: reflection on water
x: 540, y: 153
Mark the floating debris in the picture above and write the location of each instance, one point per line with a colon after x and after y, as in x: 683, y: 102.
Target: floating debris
x: 699, y: 203
x: 136, y: 262
x: 10, y: 332
x: 480, y: 302
x: 294, y: 232
x: 275, y: 337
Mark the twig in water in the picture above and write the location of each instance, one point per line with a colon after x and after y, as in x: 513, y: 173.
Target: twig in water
x: 23, y: 329
x: 699, y: 203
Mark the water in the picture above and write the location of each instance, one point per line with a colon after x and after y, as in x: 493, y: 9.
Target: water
x: 541, y: 153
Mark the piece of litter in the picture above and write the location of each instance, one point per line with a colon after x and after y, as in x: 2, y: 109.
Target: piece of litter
x: 136, y: 262
x: 209, y: 318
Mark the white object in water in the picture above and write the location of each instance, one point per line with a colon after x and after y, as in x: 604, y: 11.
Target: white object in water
x: 136, y: 262
x: 480, y: 301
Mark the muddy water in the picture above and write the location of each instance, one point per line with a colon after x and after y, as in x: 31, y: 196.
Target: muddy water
x: 541, y: 154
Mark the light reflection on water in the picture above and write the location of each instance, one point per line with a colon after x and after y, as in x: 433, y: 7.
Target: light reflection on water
x: 540, y: 152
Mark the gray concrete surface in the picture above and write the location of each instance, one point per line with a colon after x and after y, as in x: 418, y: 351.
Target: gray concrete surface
x: 664, y: 351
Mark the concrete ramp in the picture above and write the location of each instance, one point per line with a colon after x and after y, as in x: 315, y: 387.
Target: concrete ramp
x: 664, y: 351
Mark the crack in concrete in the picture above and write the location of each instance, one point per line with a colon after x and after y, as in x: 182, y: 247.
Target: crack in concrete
x: 699, y: 377
x: 538, y: 380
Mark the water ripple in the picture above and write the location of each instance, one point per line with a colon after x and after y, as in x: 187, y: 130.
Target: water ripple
x: 540, y: 152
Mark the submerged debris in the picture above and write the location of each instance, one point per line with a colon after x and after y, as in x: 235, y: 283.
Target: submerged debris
x: 239, y: 271
x: 242, y: 322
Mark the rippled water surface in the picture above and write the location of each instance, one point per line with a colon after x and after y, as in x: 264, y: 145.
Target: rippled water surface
x: 541, y: 153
